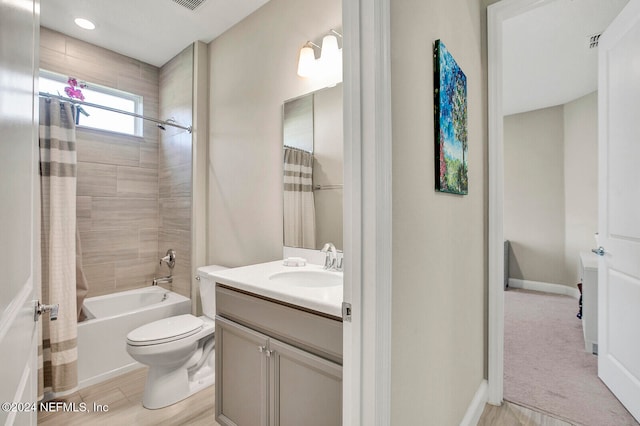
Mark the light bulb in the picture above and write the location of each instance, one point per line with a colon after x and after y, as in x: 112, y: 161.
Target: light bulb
x: 330, y: 51
x: 307, y: 62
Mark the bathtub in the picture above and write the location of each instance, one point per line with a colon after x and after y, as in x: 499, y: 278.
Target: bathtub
x: 102, y: 352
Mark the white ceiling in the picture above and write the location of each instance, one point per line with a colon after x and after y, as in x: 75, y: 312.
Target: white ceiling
x: 153, y: 31
x: 547, y: 60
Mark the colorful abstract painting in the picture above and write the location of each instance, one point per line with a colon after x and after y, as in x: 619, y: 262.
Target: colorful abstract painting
x: 451, y: 150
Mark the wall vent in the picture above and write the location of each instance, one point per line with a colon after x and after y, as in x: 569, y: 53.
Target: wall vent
x: 189, y: 4
x: 593, y: 40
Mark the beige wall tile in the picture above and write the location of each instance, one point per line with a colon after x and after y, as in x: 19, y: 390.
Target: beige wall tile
x: 174, y: 166
x: 136, y: 180
x: 101, y: 277
x: 96, y: 179
x: 149, y: 72
x: 52, y: 40
x: 149, y: 155
x: 175, y: 150
x: 146, y: 88
x: 98, y: 57
x: 175, y: 213
x: 134, y: 273
x: 84, y: 224
x: 124, y: 213
x: 148, y: 243
x: 50, y: 60
x: 175, y: 182
x: 104, y: 148
x: 89, y: 72
x: 99, y: 246
x: 83, y: 207
x: 150, y: 128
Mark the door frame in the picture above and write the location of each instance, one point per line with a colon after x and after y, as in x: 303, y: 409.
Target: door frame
x: 367, y: 212
x: 497, y: 13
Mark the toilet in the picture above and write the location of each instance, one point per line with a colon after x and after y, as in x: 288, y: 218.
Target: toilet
x: 179, y: 350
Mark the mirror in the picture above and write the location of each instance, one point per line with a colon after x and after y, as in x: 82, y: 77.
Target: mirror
x: 313, y: 169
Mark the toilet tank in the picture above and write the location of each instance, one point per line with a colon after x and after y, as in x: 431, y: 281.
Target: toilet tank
x: 208, y: 289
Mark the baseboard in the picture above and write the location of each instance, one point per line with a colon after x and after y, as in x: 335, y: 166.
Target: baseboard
x: 474, y: 412
x: 108, y: 375
x: 544, y: 287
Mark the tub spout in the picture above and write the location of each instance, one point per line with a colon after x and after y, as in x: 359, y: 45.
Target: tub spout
x: 162, y: 280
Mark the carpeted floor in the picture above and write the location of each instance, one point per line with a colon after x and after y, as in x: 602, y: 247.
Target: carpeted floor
x: 546, y: 367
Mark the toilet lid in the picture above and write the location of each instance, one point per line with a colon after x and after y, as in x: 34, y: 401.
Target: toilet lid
x: 165, y: 330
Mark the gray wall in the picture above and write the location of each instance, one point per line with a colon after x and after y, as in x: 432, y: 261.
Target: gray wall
x: 174, y: 168
x: 252, y: 72
x: 117, y: 196
x: 551, y: 189
x: 580, y: 179
x: 439, y: 240
x: 534, y: 195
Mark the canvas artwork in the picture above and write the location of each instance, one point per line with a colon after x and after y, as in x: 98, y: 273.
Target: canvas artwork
x: 451, y: 149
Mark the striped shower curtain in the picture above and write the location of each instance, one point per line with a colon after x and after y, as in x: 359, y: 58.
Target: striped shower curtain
x: 57, y: 352
x: 299, y: 204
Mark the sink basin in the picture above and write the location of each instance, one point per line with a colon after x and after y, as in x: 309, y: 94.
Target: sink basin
x: 308, y: 278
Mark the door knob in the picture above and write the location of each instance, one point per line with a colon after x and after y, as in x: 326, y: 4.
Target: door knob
x: 600, y: 251
x: 41, y: 309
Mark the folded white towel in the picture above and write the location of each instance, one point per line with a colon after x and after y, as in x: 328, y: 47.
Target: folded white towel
x: 294, y: 261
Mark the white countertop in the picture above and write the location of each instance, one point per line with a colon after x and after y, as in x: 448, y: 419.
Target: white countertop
x: 589, y: 260
x: 255, y: 279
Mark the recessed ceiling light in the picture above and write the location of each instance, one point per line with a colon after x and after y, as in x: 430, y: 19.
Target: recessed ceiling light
x: 85, y: 23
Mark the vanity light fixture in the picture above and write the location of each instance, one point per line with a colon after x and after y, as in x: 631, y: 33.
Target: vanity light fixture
x: 328, y: 66
x: 307, y: 61
x: 330, y: 51
x: 85, y: 23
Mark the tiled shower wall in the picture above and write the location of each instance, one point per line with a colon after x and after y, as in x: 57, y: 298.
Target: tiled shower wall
x: 118, y: 203
x: 176, y: 101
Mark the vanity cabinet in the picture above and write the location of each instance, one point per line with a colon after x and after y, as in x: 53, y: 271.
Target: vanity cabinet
x: 276, y: 364
x: 589, y: 279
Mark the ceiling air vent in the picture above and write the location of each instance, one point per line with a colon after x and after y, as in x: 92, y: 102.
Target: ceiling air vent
x: 593, y: 40
x: 189, y: 4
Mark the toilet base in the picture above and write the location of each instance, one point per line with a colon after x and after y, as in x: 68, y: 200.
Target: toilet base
x: 165, y: 388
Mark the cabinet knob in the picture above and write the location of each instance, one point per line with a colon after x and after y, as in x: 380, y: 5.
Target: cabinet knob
x: 261, y: 349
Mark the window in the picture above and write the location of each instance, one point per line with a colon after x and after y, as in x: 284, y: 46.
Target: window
x: 99, y: 118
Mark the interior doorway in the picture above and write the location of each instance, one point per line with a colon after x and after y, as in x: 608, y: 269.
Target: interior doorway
x: 500, y: 15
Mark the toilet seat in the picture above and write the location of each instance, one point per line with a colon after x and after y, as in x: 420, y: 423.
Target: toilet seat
x: 165, y: 330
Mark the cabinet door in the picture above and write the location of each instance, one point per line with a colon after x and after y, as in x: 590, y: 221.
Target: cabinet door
x: 241, y: 375
x: 305, y: 389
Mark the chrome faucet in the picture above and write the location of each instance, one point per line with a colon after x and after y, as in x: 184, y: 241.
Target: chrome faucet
x: 332, y: 261
x: 162, y: 280
x: 170, y: 260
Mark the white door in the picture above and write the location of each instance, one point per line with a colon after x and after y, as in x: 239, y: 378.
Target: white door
x: 18, y: 211
x: 619, y: 207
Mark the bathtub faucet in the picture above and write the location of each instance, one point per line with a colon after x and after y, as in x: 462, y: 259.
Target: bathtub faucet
x: 163, y: 280
x: 169, y: 259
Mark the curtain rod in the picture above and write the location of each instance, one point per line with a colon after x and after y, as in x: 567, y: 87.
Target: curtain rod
x: 330, y: 186
x: 169, y: 122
